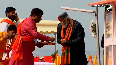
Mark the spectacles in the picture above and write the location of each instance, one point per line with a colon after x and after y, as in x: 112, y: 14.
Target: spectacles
x: 63, y: 21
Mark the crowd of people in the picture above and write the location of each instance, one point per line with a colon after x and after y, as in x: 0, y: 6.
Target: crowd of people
x: 21, y: 36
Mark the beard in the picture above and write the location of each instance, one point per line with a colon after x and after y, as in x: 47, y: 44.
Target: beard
x: 64, y: 26
x: 12, y: 18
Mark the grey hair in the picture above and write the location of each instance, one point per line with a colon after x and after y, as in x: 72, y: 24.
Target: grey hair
x: 67, y: 17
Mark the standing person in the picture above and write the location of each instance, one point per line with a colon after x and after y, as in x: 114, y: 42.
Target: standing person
x: 11, y: 17
x: 24, y: 44
x: 4, y: 38
x: 70, y: 34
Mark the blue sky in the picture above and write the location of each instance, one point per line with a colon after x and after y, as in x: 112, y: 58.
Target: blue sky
x: 52, y: 8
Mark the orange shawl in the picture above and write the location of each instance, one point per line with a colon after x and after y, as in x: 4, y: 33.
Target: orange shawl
x: 8, y: 21
x: 11, y: 23
x: 68, y: 33
x: 17, y: 46
x: 66, y: 50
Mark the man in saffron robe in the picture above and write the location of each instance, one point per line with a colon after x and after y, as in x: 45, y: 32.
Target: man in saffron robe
x: 70, y: 34
x: 24, y: 44
x: 4, y: 38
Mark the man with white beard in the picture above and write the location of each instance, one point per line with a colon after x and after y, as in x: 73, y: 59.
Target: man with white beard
x: 70, y: 34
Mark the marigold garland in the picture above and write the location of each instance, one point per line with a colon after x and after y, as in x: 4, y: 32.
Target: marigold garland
x: 54, y: 55
x: 68, y: 32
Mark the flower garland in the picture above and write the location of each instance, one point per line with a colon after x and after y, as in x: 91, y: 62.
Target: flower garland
x: 93, y: 28
x: 54, y: 55
x: 68, y: 32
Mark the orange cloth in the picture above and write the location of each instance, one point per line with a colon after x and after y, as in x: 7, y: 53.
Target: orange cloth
x: 8, y: 21
x: 11, y: 23
x: 17, y: 46
x: 2, y: 43
x: 48, y: 58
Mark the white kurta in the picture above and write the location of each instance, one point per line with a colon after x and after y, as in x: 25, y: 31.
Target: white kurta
x: 4, y: 25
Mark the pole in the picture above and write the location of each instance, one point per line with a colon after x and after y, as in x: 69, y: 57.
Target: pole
x: 75, y: 9
x: 55, y: 42
x: 98, y: 45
